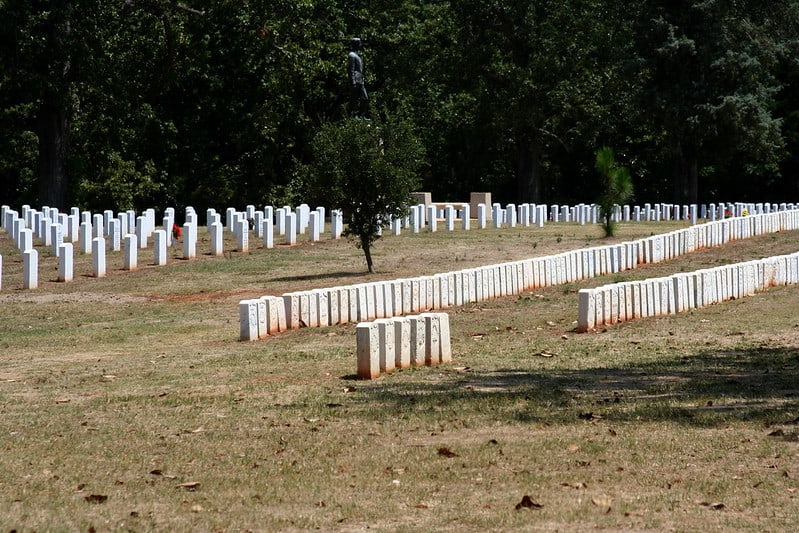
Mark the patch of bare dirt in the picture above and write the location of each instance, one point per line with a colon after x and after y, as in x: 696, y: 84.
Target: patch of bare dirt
x: 70, y: 298
x: 206, y: 296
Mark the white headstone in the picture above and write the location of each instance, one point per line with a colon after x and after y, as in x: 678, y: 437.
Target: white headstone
x: 385, y: 331
x: 65, y: 263
x: 189, y: 241
x: 30, y: 269
x: 243, y: 235
x: 85, y: 240
x: 432, y: 217
x: 336, y: 223
x: 368, y: 350
x: 130, y: 257
x: 248, y: 320
x: 465, y: 214
x: 313, y: 225
x: 432, y: 338
x: 141, y: 232
x: 98, y: 257
x: 217, y: 239
x: 160, y: 247
x: 291, y: 228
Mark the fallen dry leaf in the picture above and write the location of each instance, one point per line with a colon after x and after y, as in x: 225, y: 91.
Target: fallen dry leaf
x: 190, y: 485
x: 446, y: 452
x: 63, y: 400
x: 717, y: 506
x: 421, y: 506
x: 528, y: 503
x: 349, y: 388
x: 96, y: 498
x: 602, y: 501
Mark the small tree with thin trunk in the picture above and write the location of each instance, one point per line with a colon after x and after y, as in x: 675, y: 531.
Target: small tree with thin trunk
x: 367, y: 168
x: 617, y: 187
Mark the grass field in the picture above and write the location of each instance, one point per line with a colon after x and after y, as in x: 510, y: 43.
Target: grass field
x: 128, y: 404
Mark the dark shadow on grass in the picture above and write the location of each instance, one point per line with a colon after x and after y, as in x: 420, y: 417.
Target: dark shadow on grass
x: 322, y: 276
x: 709, y: 388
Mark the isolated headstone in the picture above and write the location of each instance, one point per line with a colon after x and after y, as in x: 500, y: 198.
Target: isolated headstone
x: 465, y: 214
x: 291, y: 228
x: 230, y: 214
x: 97, y: 226
x: 336, y: 223
x: 85, y: 238
x: 449, y: 217
x: 243, y: 235
x: 189, y: 241
x: 313, y: 225
x: 56, y: 238
x: 258, y: 224
x: 98, y: 257
x: 481, y: 216
x: 160, y: 247
x: 65, y: 263
x: 217, y: 240
x: 268, y: 233
x: 141, y: 232
x: 432, y: 217
x: 30, y: 269
x: 130, y: 258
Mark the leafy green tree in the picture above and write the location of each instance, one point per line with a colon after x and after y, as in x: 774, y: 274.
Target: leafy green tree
x: 368, y: 169
x: 711, y: 84
x: 617, y: 187
x: 537, y: 71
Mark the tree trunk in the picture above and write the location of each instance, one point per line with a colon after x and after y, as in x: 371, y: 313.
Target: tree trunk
x: 528, y: 173
x: 686, y: 176
x: 365, y: 245
x: 52, y: 117
x: 52, y: 123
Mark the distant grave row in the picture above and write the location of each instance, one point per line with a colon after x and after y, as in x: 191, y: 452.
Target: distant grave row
x: 96, y: 233
x: 259, y: 318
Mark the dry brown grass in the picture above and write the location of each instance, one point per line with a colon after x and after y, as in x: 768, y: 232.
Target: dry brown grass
x: 133, y: 386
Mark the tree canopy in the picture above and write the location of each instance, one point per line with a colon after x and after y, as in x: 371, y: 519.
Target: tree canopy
x: 139, y: 103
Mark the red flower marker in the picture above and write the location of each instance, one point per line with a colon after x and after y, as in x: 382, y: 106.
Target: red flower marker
x: 176, y: 232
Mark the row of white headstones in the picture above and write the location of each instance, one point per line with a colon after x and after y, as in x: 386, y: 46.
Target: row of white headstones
x: 95, y: 233
x: 682, y: 292
x: 367, y: 302
x: 389, y: 344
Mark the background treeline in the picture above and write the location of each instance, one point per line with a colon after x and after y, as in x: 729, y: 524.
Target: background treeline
x: 151, y: 103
